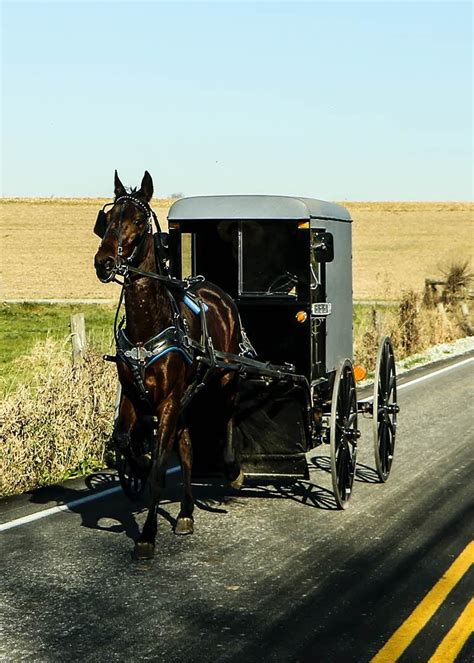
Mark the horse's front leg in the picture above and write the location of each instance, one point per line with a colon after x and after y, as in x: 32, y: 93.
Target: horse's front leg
x: 185, y: 522
x: 124, y: 424
x: 167, y: 414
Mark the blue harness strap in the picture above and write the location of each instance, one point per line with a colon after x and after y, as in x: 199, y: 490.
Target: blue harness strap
x: 191, y: 303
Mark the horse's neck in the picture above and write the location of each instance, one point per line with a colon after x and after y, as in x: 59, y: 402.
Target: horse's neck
x: 147, y: 304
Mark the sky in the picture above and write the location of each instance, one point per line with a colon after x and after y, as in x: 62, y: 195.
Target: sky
x: 333, y: 100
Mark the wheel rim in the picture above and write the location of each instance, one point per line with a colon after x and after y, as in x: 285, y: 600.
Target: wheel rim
x: 385, y: 409
x: 343, y: 433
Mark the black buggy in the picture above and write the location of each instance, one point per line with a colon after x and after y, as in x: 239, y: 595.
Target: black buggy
x: 287, y: 263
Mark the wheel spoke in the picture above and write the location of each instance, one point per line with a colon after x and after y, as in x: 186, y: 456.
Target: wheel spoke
x: 388, y: 362
x: 350, y: 401
x: 390, y: 444
x: 341, y: 474
x: 383, y: 447
x: 352, y: 418
x: 340, y: 454
x: 347, y: 390
x: 391, y: 384
x: 391, y: 427
x: 381, y: 391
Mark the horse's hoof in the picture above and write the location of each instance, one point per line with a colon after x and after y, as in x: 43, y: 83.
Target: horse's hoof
x: 184, y: 526
x: 238, y: 482
x: 143, y: 550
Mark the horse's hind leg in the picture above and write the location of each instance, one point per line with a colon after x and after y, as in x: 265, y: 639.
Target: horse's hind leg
x: 185, y: 522
x: 234, y: 474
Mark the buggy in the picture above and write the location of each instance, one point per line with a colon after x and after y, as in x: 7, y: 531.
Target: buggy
x: 287, y: 263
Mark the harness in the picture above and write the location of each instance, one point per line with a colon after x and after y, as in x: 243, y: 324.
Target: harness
x: 175, y: 338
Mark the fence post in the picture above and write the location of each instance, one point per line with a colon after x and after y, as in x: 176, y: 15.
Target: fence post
x: 78, y: 338
x: 467, y: 320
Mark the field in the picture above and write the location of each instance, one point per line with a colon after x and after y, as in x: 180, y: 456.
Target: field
x: 48, y: 246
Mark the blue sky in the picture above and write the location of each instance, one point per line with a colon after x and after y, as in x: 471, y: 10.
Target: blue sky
x: 336, y: 100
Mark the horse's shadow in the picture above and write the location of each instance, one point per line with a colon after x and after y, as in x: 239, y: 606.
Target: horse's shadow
x: 115, y: 513
x: 110, y: 512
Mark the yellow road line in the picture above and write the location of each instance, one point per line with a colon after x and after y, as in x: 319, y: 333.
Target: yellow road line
x: 454, y: 640
x: 404, y: 635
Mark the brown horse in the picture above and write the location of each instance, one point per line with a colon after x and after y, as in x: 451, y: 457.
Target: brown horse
x: 150, y: 308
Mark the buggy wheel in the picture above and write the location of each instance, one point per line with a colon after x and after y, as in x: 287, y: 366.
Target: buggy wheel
x: 385, y: 409
x: 132, y: 481
x: 343, y: 434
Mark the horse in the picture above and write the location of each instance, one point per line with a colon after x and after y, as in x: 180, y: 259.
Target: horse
x: 158, y: 386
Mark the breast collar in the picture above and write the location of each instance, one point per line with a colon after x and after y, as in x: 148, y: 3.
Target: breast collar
x: 143, y: 355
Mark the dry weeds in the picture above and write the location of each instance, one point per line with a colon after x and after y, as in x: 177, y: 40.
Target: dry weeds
x: 48, y: 246
x: 411, y: 324
x: 58, y: 425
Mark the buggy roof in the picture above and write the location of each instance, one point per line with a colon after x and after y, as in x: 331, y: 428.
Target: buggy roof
x: 283, y: 208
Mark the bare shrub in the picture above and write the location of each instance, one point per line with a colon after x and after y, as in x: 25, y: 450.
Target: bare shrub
x: 458, y: 277
x: 409, y: 320
x: 59, y: 424
x: 367, y: 339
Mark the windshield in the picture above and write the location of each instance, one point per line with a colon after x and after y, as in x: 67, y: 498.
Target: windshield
x: 267, y: 259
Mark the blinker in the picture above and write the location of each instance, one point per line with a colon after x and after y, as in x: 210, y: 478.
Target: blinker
x: 101, y: 224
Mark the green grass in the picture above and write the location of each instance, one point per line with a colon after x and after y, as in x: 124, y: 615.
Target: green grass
x: 362, y: 314
x: 22, y: 325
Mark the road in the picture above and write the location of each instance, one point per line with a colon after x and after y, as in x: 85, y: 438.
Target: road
x: 271, y: 573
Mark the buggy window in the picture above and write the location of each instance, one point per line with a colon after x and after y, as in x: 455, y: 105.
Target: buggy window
x: 186, y: 255
x: 268, y: 259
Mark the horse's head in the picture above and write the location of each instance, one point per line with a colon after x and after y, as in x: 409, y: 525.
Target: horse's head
x: 123, y: 228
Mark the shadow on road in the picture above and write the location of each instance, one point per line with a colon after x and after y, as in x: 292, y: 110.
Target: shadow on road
x: 364, y: 473
x: 119, y: 510
x: 305, y: 493
x: 115, y: 513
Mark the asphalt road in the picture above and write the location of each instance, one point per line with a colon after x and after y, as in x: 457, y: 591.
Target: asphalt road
x: 271, y: 573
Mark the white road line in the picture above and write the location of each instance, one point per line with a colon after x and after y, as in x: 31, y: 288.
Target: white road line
x: 438, y: 372
x: 425, y: 377
x: 110, y: 491
x: 69, y: 506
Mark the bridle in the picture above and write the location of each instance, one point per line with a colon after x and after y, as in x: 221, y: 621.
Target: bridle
x: 122, y: 265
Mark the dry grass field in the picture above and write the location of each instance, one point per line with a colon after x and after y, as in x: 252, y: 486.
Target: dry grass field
x: 47, y: 246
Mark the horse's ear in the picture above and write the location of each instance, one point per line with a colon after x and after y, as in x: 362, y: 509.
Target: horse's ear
x: 119, y: 188
x: 146, y: 187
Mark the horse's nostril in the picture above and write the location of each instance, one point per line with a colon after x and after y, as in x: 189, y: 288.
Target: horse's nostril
x: 108, y: 264
x: 104, y: 267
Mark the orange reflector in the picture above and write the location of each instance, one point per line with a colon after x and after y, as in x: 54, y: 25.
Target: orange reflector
x: 301, y: 316
x: 359, y: 372
x: 303, y: 225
